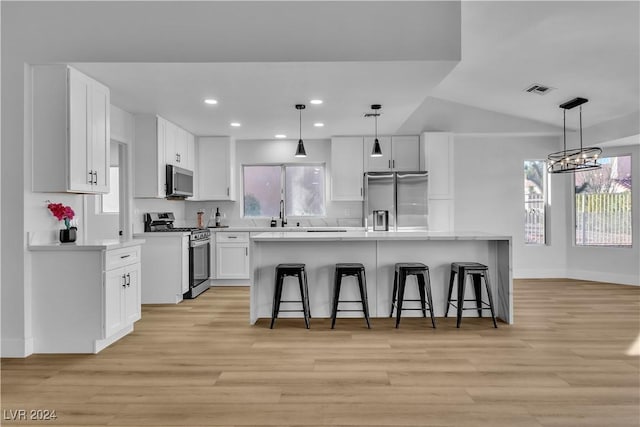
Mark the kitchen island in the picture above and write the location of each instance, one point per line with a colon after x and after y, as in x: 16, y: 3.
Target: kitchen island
x: 378, y: 252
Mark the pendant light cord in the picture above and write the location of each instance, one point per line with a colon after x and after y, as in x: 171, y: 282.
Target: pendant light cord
x: 300, y: 133
x: 564, y: 129
x: 581, y: 128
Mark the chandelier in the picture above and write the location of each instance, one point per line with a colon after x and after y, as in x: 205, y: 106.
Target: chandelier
x: 576, y: 159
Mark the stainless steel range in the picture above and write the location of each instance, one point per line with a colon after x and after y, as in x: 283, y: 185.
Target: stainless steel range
x: 199, y: 249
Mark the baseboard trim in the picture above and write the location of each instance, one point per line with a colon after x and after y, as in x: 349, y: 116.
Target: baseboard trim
x: 229, y: 282
x: 602, y: 276
x: 540, y: 273
x: 16, y: 348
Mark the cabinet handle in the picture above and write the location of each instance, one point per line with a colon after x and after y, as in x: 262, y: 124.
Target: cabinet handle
x: 232, y: 237
x: 246, y: 251
x: 124, y: 281
x: 393, y: 163
x: 128, y: 279
x: 227, y: 191
x: 125, y: 256
x: 90, y: 177
x: 389, y: 164
x: 360, y: 191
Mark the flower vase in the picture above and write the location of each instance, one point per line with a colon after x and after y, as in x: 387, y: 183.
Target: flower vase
x: 68, y: 235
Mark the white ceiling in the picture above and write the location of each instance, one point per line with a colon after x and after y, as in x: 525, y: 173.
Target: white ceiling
x: 587, y: 49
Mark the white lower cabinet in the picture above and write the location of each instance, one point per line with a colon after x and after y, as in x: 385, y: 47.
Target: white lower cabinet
x: 232, y: 255
x: 84, y: 298
x: 122, y: 297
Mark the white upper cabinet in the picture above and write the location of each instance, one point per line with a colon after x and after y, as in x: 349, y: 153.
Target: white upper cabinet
x: 405, y: 151
x: 215, y: 170
x: 71, y: 131
x: 399, y: 153
x: 347, y: 168
x: 159, y: 143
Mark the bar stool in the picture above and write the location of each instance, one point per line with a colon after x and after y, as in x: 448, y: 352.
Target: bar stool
x: 295, y: 270
x: 421, y: 271
x: 476, y: 271
x: 350, y: 269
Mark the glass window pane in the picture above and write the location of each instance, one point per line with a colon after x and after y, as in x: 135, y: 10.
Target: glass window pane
x: 603, y: 203
x: 304, y: 194
x: 111, y: 201
x: 262, y: 191
x: 534, y: 202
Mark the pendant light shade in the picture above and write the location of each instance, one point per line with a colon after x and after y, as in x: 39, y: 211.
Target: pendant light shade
x: 300, y: 151
x: 576, y: 159
x: 377, y: 150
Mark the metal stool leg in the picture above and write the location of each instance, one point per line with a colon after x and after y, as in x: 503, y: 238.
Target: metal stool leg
x: 303, y: 297
x: 486, y: 282
x: 462, y: 275
x: 402, y: 282
x: 277, y: 295
x: 393, y: 294
x: 423, y: 302
x: 362, y: 284
x: 452, y: 276
x: 336, y: 297
x: 426, y: 285
x: 477, y: 289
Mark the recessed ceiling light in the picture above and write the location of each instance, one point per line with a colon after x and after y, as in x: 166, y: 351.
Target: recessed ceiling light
x: 235, y: 124
x: 318, y: 125
x: 280, y: 136
x: 211, y: 101
x: 316, y: 101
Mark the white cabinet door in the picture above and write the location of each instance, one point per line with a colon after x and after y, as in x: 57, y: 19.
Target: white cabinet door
x: 190, y: 152
x: 232, y: 261
x: 215, y: 167
x: 114, y: 285
x: 161, y: 137
x: 131, y: 295
x: 184, y: 286
x: 405, y: 153
x: 377, y: 164
x: 101, y: 140
x: 170, y: 136
x: 346, y: 168
x: 212, y: 257
x: 80, y: 172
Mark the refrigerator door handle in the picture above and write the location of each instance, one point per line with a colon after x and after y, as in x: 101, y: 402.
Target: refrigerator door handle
x: 407, y: 174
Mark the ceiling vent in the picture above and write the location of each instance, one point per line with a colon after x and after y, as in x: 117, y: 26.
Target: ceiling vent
x: 538, y: 89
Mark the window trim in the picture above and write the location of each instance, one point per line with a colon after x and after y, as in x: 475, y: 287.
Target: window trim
x: 546, y: 205
x: 283, y: 189
x: 573, y: 209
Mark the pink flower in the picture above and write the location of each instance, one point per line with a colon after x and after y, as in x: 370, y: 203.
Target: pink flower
x: 61, y: 212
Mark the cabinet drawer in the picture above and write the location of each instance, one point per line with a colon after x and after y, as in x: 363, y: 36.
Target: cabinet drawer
x: 120, y: 257
x: 232, y: 237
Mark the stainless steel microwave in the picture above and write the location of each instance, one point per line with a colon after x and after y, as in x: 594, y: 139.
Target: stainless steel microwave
x: 179, y: 182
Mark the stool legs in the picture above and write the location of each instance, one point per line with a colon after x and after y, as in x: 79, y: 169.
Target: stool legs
x: 277, y: 296
x: 362, y: 284
x: 336, y: 295
x: 302, y: 281
x: 393, y: 294
x: 427, y: 286
x: 403, y: 280
x: 486, y: 282
x: 477, y: 289
x: 452, y: 276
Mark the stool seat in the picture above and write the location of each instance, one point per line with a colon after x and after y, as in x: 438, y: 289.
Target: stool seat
x: 477, y: 272
x: 455, y: 266
x: 350, y: 269
x: 421, y: 271
x: 282, y: 271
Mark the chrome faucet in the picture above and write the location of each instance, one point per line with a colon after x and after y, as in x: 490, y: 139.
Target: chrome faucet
x: 282, y: 218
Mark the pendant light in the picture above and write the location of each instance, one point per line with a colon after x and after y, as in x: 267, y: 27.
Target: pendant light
x: 377, y: 150
x: 576, y: 159
x: 300, y: 151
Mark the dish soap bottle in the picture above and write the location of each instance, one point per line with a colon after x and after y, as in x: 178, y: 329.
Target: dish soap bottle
x: 217, y: 217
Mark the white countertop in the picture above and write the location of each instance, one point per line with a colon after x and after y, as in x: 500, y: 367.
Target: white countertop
x: 375, y: 235
x: 93, y: 245
x: 280, y: 229
x: 148, y: 234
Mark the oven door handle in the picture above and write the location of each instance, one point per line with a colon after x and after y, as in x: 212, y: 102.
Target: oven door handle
x: 198, y: 243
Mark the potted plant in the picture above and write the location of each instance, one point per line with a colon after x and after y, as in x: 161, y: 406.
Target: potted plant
x: 66, y: 214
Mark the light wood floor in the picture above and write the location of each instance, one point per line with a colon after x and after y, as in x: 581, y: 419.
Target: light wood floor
x: 563, y: 363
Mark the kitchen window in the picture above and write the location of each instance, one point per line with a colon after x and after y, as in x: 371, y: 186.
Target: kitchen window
x: 300, y: 186
x: 603, y: 204
x: 535, y: 202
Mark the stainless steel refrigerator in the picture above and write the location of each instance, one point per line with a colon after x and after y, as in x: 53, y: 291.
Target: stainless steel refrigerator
x: 402, y: 194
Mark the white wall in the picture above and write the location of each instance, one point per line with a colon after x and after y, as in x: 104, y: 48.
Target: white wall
x: 490, y: 195
x: 280, y: 151
x: 608, y: 264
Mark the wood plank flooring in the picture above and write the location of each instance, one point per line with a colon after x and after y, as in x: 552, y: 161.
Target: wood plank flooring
x: 564, y: 362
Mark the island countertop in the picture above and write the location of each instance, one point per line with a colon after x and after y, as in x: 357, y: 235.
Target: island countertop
x: 376, y: 235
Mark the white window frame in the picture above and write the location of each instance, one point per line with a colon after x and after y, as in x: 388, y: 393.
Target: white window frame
x: 283, y: 167
x: 545, y: 205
